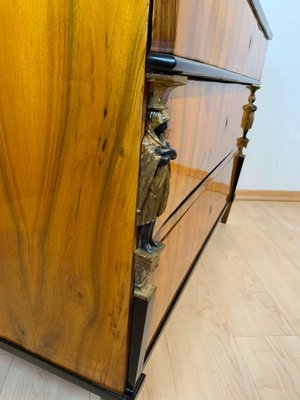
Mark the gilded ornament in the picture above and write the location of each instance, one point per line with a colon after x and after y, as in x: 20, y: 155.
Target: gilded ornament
x: 154, y: 178
x: 249, y: 110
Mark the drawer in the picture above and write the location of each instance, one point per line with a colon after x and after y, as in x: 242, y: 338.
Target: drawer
x: 205, y: 119
x: 184, y: 239
x: 222, y: 33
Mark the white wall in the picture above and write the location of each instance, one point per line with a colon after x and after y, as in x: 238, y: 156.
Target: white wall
x: 273, y: 154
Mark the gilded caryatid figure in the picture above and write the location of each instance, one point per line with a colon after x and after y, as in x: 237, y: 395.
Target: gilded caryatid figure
x: 247, y: 119
x: 154, y: 178
x: 249, y: 110
x: 154, y: 181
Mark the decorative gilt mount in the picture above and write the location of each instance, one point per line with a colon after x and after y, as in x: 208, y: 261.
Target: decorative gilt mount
x: 246, y: 124
x: 154, y: 179
x: 247, y: 119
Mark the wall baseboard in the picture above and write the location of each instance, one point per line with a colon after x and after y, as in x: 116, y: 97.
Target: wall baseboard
x: 268, y: 195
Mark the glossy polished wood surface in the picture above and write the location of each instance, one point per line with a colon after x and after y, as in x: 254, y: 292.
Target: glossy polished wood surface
x: 222, y: 33
x: 185, y: 238
x: 71, y: 88
x: 205, y: 121
x: 190, y: 200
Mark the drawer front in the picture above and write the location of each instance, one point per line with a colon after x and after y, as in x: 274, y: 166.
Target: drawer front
x: 184, y: 240
x: 217, y: 32
x: 205, y: 121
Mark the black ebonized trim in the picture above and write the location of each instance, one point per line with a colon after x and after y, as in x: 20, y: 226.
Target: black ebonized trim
x: 168, y: 63
x: 150, y: 22
x: 236, y: 171
x: 140, y: 322
x: 131, y: 394
x: 181, y: 289
x: 261, y: 18
x: 105, y: 394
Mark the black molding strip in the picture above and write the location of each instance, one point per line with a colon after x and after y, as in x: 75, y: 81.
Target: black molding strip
x: 181, y: 289
x: 261, y: 18
x: 142, y: 306
x: 105, y: 394
x: 168, y: 63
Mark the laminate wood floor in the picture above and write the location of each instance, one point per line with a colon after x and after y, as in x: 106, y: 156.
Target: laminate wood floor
x: 235, y: 333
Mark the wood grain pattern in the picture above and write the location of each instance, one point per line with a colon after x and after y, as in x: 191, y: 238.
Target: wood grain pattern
x: 198, y: 357
x: 268, y: 255
x: 268, y: 195
x: 205, y: 119
x: 274, y: 363
x: 164, y: 24
x: 5, y: 363
x: 28, y: 382
x: 205, y: 358
x: 198, y: 340
x: 158, y: 386
x: 183, y: 242
x: 71, y: 94
x: 249, y: 309
x: 221, y: 33
x: 261, y: 18
x: 211, y: 182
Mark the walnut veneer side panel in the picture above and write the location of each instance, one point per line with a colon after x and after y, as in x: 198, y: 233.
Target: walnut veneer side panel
x: 164, y: 25
x: 217, y: 32
x: 185, y: 238
x: 205, y: 121
x: 71, y: 93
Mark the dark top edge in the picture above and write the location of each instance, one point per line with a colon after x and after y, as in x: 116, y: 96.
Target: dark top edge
x: 193, y: 69
x: 260, y: 16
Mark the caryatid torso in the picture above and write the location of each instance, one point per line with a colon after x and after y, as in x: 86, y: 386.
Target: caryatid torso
x: 154, y: 177
x: 154, y: 180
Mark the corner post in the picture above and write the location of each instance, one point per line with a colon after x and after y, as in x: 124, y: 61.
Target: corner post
x: 152, y: 196
x: 141, y: 317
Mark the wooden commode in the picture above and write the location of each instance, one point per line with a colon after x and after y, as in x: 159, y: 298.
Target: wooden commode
x: 122, y: 135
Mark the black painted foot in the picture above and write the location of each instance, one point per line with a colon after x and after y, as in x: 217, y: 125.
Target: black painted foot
x: 131, y: 394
